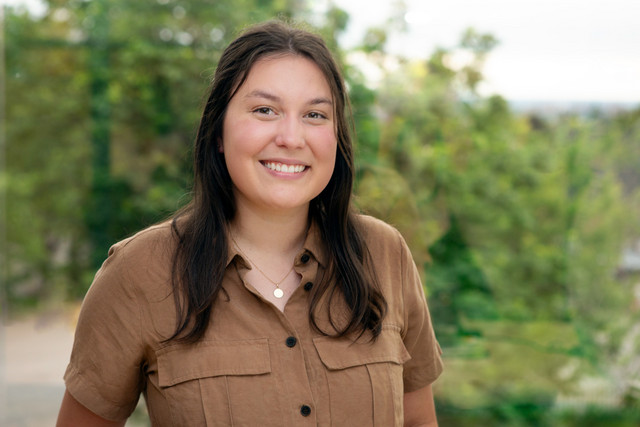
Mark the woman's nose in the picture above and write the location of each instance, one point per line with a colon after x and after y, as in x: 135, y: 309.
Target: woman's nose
x: 290, y: 132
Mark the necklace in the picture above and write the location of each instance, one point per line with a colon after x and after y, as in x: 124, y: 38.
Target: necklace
x: 277, y: 292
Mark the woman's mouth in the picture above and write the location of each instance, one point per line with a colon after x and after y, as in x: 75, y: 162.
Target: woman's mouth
x: 281, y: 167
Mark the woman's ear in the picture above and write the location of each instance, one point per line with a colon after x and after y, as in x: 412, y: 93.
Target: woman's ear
x: 220, y: 146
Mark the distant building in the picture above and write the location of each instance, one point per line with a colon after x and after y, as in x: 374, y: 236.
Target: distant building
x: 630, y: 267
x: 630, y: 263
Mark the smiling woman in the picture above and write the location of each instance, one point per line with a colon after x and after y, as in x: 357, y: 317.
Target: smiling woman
x: 267, y: 300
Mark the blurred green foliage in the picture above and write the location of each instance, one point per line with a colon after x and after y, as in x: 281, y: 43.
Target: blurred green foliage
x: 518, y: 220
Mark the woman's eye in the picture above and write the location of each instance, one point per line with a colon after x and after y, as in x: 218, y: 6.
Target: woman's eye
x: 316, y: 115
x: 264, y: 110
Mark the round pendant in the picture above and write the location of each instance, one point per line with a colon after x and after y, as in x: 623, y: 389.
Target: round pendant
x: 278, y: 293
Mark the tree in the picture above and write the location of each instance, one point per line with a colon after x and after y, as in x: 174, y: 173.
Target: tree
x: 524, y: 219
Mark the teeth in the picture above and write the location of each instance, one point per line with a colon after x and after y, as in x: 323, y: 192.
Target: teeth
x: 279, y: 167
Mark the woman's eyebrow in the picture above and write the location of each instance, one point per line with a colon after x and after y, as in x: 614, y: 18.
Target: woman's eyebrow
x: 262, y: 94
x: 275, y: 98
x: 316, y: 101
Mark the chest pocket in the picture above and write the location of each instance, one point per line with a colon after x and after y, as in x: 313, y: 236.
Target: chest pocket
x: 218, y: 383
x: 367, y: 376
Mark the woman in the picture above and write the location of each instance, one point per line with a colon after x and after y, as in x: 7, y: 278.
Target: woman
x: 267, y: 300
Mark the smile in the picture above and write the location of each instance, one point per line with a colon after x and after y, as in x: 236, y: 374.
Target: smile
x: 281, y: 167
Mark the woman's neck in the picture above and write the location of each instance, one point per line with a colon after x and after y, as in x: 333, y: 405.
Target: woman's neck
x: 274, y: 233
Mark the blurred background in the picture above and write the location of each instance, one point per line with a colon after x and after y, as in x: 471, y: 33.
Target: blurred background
x: 502, y: 138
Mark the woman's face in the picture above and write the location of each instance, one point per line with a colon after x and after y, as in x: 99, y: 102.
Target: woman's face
x: 279, y: 138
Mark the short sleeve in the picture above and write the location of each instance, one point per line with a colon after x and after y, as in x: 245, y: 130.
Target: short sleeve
x: 105, y: 370
x: 419, y: 338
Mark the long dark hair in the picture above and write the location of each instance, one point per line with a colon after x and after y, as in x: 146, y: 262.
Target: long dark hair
x: 202, y: 226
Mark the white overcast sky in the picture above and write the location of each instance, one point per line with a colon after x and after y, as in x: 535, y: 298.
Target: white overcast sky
x: 550, y: 50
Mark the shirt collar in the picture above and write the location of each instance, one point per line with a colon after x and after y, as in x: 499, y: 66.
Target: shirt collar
x: 313, y: 245
x: 233, y: 252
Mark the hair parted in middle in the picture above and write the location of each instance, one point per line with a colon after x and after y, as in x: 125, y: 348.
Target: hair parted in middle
x: 202, y: 226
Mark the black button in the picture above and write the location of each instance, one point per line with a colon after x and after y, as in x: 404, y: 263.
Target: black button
x: 291, y: 341
x: 305, y: 258
x: 308, y: 286
x: 305, y: 410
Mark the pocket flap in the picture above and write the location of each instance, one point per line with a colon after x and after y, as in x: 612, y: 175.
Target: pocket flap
x: 179, y: 363
x: 343, y: 353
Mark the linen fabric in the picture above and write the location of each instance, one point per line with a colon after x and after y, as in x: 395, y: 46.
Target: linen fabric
x: 256, y: 365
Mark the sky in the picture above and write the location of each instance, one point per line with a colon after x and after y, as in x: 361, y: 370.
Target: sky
x: 549, y: 50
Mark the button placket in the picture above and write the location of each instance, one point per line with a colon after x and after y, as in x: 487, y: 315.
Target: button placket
x: 308, y: 268
x: 293, y: 357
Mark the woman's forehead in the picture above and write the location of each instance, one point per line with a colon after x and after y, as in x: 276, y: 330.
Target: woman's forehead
x: 286, y: 57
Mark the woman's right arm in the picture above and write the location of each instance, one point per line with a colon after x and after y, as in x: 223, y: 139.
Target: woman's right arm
x: 75, y: 414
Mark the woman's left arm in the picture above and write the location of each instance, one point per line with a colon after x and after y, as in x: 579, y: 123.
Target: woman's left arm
x: 419, y: 409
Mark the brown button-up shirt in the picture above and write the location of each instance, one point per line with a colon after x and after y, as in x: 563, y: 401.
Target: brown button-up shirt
x: 256, y: 365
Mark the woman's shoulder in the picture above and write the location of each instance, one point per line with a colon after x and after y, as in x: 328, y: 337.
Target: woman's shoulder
x: 376, y: 228
x: 140, y: 264
x: 379, y: 235
x: 150, y: 249
x: 158, y: 237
